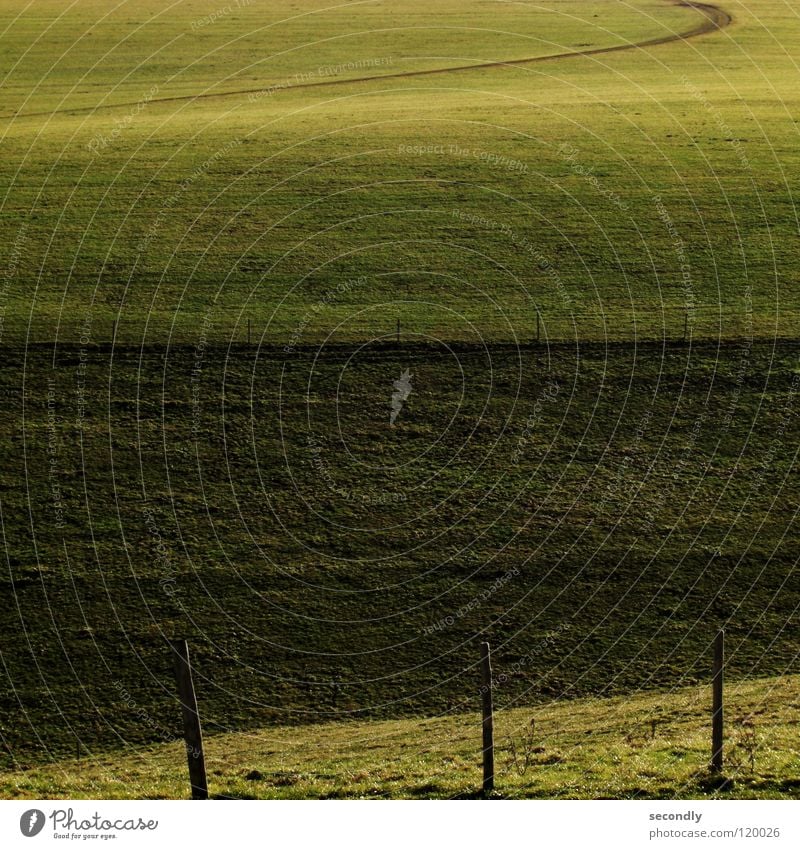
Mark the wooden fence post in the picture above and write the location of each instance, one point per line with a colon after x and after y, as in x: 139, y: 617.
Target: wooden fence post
x: 717, y: 703
x: 488, y: 719
x: 192, y: 731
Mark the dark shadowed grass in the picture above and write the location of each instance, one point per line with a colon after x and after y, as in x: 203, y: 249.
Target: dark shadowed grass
x: 596, y: 514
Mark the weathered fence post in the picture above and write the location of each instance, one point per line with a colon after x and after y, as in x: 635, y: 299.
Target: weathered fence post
x: 488, y: 719
x: 192, y: 731
x: 717, y: 703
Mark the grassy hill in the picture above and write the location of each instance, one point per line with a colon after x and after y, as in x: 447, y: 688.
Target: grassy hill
x: 216, y: 222
x: 595, y: 513
x: 612, y: 193
x: 644, y: 746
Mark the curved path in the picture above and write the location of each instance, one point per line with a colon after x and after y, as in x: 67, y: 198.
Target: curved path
x: 713, y: 19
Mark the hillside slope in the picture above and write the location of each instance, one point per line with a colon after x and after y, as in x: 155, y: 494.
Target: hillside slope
x: 642, y: 746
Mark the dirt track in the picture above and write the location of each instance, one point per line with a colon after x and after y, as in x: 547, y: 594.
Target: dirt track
x: 714, y: 19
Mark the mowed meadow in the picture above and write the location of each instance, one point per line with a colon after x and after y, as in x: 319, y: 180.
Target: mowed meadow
x: 227, y: 230
x: 595, y: 515
x: 164, y: 163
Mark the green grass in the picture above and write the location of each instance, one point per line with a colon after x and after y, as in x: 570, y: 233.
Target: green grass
x: 91, y: 56
x: 324, y: 565
x: 645, y: 746
x: 595, y: 514
x: 257, y: 206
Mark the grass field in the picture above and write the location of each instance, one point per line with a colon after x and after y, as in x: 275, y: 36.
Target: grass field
x: 651, y: 746
x: 612, y: 193
x: 597, y: 515
x: 324, y: 180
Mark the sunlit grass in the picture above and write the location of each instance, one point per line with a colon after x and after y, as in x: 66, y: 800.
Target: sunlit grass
x: 644, y: 746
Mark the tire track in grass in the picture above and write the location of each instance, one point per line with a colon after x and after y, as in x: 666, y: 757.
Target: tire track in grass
x: 714, y: 19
